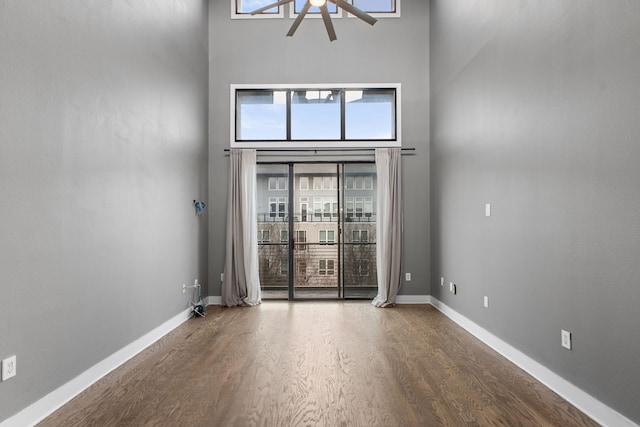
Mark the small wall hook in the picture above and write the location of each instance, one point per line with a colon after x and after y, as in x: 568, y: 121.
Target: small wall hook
x: 199, y: 205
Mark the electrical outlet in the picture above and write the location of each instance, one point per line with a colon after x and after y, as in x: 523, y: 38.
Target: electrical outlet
x: 487, y: 209
x: 222, y: 277
x: 486, y: 302
x: 8, y: 368
x: 184, y: 288
x: 566, y: 339
x: 407, y: 277
x: 450, y: 286
x: 442, y: 281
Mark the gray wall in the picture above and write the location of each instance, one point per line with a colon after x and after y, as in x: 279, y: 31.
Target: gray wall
x: 103, y: 147
x: 392, y: 51
x: 535, y: 109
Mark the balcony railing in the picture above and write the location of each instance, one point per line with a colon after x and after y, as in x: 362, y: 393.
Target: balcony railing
x: 356, y: 217
x: 317, y: 265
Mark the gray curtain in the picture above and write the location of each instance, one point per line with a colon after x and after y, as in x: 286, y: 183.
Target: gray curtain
x: 389, y: 225
x: 241, y: 284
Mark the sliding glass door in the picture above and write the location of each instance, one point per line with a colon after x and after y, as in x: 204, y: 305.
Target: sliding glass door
x: 359, y: 231
x: 316, y: 230
x: 316, y: 227
x: 273, y: 230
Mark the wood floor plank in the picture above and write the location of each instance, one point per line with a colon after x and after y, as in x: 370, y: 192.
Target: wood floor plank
x: 318, y: 364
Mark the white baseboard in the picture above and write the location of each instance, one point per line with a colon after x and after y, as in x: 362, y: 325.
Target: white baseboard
x: 213, y: 300
x: 400, y: 299
x: 413, y: 299
x: 588, y: 404
x: 44, y: 407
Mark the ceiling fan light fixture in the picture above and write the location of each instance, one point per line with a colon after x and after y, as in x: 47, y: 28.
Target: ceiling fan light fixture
x: 318, y: 3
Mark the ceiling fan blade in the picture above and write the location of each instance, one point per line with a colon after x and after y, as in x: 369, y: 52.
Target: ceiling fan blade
x: 271, y: 6
x: 299, y: 19
x: 327, y: 22
x: 355, y: 11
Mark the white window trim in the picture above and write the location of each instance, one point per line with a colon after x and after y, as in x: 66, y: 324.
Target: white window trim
x: 292, y: 13
x: 319, y: 143
x: 326, y: 269
x: 276, y: 179
x: 360, y: 234
x: 301, y: 245
x: 262, y: 234
x: 395, y: 14
x: 368, y: 179
x: 235, y: 15
x: 304, y: 179
x: 326, y: 233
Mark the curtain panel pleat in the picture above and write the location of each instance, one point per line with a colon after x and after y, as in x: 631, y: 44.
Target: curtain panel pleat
x: 241, y: 284
x: 389, y: 224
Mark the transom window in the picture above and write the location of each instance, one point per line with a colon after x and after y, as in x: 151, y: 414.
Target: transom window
x: 315, y: 116
x: 378, y: 8
x: 241, y: 9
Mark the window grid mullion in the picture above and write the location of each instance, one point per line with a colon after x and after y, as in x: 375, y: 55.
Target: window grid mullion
x: 343, y: 103
x: 288, y: 115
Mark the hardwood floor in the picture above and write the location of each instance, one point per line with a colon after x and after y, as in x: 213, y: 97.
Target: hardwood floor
x: 318, y: 364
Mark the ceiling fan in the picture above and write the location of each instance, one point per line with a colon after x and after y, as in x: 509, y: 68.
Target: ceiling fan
x: 322, y: 5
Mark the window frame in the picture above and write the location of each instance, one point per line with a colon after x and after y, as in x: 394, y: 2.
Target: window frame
x: 326, y: 240
x: 292, y: 14
x: 360, y: 233
x: 395, y: 14
x: 326, y: 271
x: 278, y: 202
x: 277, y: 179
x: 262, y: 234
x: 343, y: 142
x: 301, y: 240
x: 305, y: 214
x: 236, y: 15
x: 306, y: 180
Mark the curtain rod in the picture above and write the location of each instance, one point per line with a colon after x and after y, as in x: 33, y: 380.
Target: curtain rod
x: 407, y: 149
